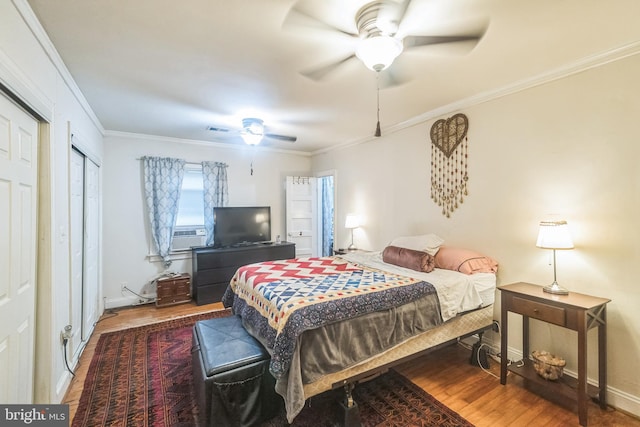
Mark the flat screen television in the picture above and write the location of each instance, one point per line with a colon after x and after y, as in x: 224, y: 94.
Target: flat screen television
x: 241, y: 225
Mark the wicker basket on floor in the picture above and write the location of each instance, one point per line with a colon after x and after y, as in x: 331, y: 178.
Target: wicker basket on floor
x: 547, y: 365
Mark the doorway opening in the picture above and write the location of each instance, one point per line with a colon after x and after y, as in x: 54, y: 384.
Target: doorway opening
x: 310, y: 214
x: 326, y: 214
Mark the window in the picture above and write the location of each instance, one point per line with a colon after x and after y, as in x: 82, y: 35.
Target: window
x: 194, y: 216
x: 191, y: 205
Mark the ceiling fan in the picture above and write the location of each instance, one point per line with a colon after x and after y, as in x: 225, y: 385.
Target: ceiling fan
x: 381, y: 41
x: 253, y: 132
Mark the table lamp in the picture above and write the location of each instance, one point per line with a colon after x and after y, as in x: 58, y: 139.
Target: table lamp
x: 554, y: 235
x: 352, y: 221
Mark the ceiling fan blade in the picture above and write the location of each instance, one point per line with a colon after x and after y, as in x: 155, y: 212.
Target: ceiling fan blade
x: 417, y: 41
x: 217, y: 129
x: 300, y: 18
x: 403, y: 10
x: 281, y: 137
x: 391, y: 15
x: 321, y: 72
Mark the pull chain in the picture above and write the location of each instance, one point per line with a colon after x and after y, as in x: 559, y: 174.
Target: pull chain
x: 252, y: 148
x: 378, y: 133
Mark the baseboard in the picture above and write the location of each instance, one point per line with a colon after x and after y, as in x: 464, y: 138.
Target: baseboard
x: 623, y: 401
x: 124, y: 302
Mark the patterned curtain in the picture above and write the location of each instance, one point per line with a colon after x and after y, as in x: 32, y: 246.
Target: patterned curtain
x: 162, y: 185
x: 327, y: 215
x: 215, y: 184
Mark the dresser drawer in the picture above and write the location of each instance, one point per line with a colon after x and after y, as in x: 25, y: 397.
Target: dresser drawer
x: 540, y: 311
x: 213, y: 268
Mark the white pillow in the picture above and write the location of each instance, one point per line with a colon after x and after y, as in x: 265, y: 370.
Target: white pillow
x: 429, y: 243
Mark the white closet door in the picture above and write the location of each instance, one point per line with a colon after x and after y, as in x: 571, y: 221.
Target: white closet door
x: 302, y: 214
x: 18, y: 239
x: 85, y: 229
x: 77, y: 249
x: 91, y: 279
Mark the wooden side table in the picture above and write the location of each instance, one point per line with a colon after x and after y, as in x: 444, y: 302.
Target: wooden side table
x: 578, y: 312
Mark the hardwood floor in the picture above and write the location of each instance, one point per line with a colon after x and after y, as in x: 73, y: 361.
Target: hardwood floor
x: 445, y: 374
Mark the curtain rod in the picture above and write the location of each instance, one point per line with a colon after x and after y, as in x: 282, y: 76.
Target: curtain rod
x: 186, y: 161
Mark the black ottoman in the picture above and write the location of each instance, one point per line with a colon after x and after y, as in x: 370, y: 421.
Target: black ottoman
x: 232, y: 382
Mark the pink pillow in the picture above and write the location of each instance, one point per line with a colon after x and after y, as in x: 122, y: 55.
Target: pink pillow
x: 408, y: 258
x: 464, y: 260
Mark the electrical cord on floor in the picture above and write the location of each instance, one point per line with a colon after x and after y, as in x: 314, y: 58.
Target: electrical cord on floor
x: 480, y: 364
x: 495, y: 357
x: 147, y: 299
x: 66, y: 362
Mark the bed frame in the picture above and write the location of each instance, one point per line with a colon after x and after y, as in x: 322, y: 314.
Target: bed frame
x: 450, y: 332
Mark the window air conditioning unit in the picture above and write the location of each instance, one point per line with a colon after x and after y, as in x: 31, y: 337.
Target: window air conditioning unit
x: 184, y: 239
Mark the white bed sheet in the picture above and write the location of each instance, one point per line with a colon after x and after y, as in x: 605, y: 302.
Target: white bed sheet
x: 456, y: 291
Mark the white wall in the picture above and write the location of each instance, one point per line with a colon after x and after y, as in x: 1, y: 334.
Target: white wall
x: 126, y: 235
x: 31, y: 69
x: 568, y: 147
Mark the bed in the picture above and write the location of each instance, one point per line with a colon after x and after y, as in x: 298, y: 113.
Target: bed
x: 330, y: 322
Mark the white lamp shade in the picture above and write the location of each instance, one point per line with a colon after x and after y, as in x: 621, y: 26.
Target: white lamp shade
x: 554, y: 235
x: 352, y: 221
x: 378, y: 52
x: 251, y: 138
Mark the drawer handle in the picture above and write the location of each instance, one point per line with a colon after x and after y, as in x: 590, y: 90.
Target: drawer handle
x: 536, y: 311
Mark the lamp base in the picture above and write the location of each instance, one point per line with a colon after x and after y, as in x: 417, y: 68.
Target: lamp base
x: 352, y: 247
x: 556, y: 289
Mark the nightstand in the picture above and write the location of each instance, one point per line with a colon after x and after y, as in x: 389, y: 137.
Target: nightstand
x: 574, y: 311
x: 174, y: 289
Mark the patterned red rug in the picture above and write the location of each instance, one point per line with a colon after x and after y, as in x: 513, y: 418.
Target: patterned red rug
x: 142, y: 377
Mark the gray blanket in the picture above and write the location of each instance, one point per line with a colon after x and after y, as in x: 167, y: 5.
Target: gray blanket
x: 339, y: 345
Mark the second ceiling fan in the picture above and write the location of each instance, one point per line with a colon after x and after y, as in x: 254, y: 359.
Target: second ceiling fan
x: 254, y: 131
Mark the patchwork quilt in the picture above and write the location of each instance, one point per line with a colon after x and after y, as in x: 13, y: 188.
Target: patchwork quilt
x: 282, y: 299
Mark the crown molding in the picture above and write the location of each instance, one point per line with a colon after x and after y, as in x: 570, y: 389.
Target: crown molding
x: 49, y: 49
x: 579, y: 66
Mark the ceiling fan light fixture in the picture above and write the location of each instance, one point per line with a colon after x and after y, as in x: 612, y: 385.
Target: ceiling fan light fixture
x: 251, y: 138
x: 253, y: 131
x: 378, y: 52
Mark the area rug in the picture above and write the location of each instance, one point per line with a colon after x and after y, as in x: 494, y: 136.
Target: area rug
x: 143, y: 377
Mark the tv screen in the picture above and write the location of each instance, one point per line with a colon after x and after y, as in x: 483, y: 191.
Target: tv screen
x: 242, y: 225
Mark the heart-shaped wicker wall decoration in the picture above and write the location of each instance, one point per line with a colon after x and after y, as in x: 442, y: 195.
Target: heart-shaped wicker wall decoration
x: 449, y: 151
x: 448, y: 134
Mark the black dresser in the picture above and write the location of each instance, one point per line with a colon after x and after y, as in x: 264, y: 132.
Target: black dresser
x: 214, y: 268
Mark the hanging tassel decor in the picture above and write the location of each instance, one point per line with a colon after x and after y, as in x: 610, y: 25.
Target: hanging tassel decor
x: 449, y: 152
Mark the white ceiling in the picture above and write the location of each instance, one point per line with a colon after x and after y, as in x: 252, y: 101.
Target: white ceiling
x: 174, y: 68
